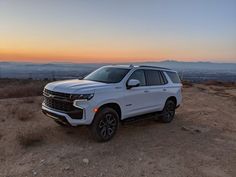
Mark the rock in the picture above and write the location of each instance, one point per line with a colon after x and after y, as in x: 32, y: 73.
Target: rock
x: 67, y: 167
x: 85, y: 160
x: 35, y: 173
x: 119, y: 166
x: 184, y: 128
x: 197, y: 131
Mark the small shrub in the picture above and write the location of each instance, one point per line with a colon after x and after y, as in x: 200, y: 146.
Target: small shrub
x: 12, y: 110
x: 28, y: 139
x: 187, y: 84
x: 202, y: 89
x: 24, y: 114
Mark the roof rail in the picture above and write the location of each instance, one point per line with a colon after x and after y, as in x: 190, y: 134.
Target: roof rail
x: 149, y: 66
x: 131, y: 65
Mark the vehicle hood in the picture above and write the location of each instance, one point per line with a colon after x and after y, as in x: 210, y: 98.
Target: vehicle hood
x: 75, y: 86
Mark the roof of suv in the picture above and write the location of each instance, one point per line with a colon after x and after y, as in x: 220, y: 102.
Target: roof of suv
x: 143, y: 66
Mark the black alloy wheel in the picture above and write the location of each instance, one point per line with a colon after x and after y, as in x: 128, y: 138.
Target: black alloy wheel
x: 105, y: 124
x: 168, y: 112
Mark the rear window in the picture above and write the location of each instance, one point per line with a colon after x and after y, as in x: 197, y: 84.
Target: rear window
x: 173, y: 77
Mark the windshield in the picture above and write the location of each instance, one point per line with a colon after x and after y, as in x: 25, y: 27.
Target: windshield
x: 108, y: 75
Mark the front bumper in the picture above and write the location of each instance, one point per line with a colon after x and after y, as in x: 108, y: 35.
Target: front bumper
x: 57, y: 117
x: 66, y: 118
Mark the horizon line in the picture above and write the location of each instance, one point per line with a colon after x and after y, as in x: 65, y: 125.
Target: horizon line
x: 151, y: 61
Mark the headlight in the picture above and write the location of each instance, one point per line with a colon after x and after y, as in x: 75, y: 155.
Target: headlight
x: 82, y: 96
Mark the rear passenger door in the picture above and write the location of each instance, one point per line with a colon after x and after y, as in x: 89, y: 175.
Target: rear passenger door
x: 156, y: 90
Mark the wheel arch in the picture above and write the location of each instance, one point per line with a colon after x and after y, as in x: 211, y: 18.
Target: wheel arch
x: 112, y: 105
x: 172, y: 98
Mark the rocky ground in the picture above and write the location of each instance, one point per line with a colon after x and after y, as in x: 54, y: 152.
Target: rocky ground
x: 201, y: 141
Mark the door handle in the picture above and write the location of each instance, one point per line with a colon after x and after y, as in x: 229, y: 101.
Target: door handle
x: 146, y: 91
x: 164, y: 89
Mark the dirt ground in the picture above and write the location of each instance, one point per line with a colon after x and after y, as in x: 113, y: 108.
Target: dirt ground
x: 201, y: 141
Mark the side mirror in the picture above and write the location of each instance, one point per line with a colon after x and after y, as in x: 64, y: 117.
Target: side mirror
x: 80, y: 77
x: 133, y: 83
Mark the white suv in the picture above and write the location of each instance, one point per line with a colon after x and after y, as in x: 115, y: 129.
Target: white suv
x: 112, y: 94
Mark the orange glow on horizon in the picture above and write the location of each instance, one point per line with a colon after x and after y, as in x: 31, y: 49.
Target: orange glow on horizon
x: 109, y: 57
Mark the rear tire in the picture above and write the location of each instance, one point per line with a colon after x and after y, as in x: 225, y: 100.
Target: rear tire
x: 105, y: 124
x: 168, y: 112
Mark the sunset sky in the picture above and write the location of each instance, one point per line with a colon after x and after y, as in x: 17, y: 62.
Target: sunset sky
x: 117, y: 31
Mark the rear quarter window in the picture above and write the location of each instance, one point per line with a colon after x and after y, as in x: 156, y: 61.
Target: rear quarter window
x: 173, y: 77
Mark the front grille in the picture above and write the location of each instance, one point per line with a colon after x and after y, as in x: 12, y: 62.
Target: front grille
x: 59, y: 104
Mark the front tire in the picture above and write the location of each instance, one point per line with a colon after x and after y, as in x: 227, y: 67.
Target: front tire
x: 105, y: 124
x: 168, y: 112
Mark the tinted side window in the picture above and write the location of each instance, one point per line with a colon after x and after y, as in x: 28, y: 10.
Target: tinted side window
x: 173, y: 77
x: 165, y: 81
x: 154, y: 77
x: 139, y: 75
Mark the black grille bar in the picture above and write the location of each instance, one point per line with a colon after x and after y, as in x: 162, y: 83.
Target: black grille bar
x: 57, y: 104
x: 59, y: 94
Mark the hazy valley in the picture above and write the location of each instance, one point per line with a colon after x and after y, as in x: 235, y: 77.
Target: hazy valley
x: 191, y: 71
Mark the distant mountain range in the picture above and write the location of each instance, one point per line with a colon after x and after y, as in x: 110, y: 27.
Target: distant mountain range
x: 195, y: 71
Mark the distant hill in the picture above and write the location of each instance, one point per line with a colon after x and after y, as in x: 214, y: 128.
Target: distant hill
x: 195, y: 65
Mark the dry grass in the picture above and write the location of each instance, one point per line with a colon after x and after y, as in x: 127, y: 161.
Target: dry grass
x: 29, y: 100
x: 219, y: 83
x: 22, y: 113
x: 30, y: 138
x: 202, y: 88
x: 15, y: 88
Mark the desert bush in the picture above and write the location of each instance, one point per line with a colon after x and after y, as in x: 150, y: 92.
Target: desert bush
x: 187, y: 84
x: 201, y: 88
x: 24, y: 114
x: 30, y: 138
x: 12, y: 110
